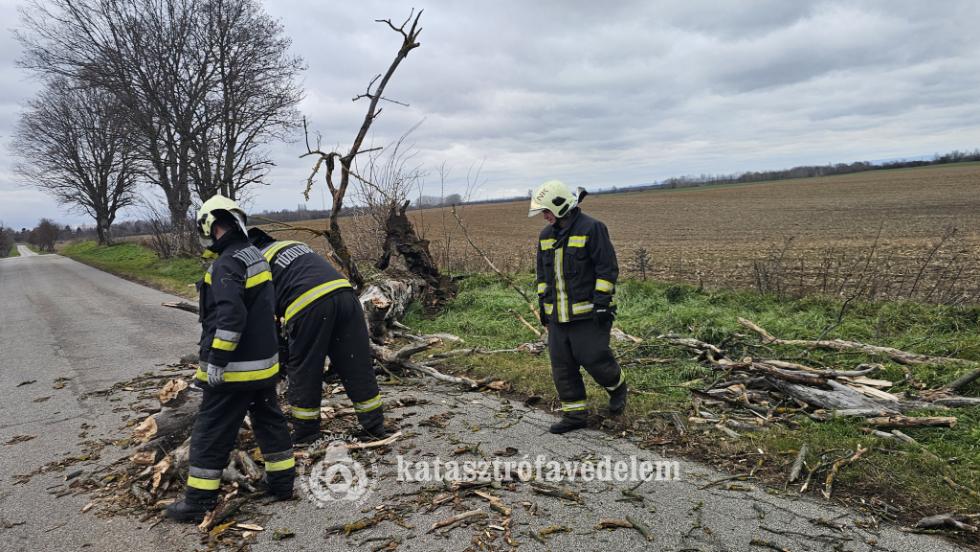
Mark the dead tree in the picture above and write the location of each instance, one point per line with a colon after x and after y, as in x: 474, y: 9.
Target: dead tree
x: 328, y: 161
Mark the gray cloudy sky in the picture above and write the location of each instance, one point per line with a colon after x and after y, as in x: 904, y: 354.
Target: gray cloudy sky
x: 612, y: 95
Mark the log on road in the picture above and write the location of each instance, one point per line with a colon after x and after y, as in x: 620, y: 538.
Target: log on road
x: 172, y: 425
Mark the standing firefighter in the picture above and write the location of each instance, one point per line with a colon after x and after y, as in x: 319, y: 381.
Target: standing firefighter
x: 577, y: 274
x: 321, y: 317
x: 239, y: 363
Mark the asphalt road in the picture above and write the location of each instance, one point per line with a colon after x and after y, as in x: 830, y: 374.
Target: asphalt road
x: 60, y: 319
x: 25, y: 251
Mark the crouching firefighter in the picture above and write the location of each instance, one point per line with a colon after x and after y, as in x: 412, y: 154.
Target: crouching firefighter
x: 577, y: 271
x: 239, y: 363
x: 321, y: 317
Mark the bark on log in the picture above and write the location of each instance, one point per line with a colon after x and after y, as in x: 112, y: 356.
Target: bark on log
x: 182, y: 305
x: 401, y: 359
x: 838, y: 397
x: 964, y: 380
x: 957, y: 402
x: 948, y: 521
x: 897, y: 355
x: 385, y: 303
x: 400, y: 236
x: 911, y: 421
x: 172, y: 425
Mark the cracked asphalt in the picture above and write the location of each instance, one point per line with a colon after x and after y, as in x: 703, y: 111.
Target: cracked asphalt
x: 67, y: 330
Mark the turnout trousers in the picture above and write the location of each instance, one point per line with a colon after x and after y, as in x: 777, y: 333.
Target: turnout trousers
x: 216, y: 431
x: 581, y: 344
x: 332, y: 327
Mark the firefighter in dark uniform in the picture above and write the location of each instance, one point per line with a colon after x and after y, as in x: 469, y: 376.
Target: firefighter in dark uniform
x: 577, y: 271
x: 322, y: 318
x: 238, y: 364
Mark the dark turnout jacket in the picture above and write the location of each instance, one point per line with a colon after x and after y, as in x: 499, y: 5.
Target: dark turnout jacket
x: 300, y: 275
x: 237, y: 314
x: 576, y: 268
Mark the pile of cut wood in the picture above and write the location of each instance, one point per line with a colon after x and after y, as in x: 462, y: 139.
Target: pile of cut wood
x: 154, y: 474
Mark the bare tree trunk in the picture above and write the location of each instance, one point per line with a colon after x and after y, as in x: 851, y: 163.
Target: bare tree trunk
x: 327, y: 160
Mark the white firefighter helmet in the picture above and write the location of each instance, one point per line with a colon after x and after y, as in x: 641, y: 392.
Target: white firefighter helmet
x: 555, y: 197
x: 207, y: 215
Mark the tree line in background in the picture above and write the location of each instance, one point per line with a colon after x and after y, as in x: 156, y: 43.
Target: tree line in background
x: 180, y: 95
x: 804, y: 171
x: 42, y: 237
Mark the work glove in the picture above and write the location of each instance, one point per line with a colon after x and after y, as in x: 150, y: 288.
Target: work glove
x: 215, y: 375
x: 545, y: 319
x: 604, y: 315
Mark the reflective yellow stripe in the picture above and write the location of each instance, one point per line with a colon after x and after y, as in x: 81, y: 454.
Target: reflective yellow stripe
x: 573, y: 406
x: 542, y: 287
x: 264, y: 276
x: 577, y: 241
x: 223, y: 345
x: 547, y: 244
x: 582, y: 308
x: 207, y: 278
x: 203, y: 484
x: 275, y: 248
x: 604, y: 286
x: 622, y: 379
x: 549, y: 308
x: 562, y: 298
x: 280, y: 465
x: 254, y: 375
x: 304, y: 300
x: 368, y: 405
x: 305, y: 413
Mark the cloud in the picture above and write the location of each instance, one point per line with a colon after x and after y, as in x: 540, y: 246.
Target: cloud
x: 627, y: 93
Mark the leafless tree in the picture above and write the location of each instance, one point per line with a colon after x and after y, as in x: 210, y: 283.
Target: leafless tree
x: 253, y: 98
x: 150, y: 54
x: 75, y: 145
x: 409, y: 31
x: 203, y: 82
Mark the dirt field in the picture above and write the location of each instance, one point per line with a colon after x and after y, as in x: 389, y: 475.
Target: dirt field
x: 792, y: 236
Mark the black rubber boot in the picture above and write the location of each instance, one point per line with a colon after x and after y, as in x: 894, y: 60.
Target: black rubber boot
x: 569, y: 422
x: 372, y: 425
x: 372, y: 433
x: 617, y: 399
x: 305, y: 432
x: 281, y: 488
x: 186, y: 511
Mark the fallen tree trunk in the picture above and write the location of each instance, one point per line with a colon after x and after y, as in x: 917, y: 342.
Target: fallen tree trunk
x: 838, y: 397
x: 897, y: 355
